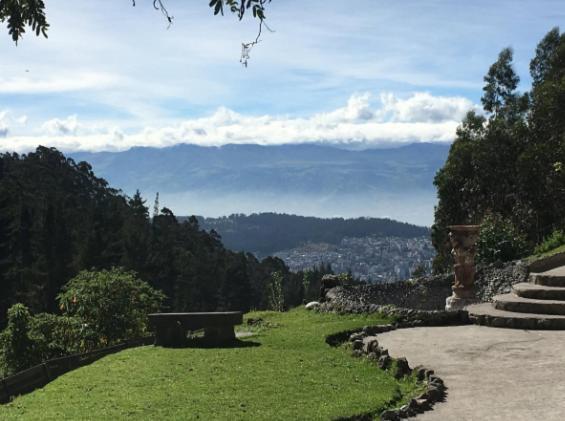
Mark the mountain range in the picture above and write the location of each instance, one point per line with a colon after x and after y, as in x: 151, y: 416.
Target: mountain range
x: 304, y: 179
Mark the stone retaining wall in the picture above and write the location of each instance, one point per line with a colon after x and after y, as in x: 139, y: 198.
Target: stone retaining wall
x: 427, y: 293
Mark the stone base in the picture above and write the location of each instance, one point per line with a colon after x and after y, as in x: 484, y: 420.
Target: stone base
x: 454, y: 303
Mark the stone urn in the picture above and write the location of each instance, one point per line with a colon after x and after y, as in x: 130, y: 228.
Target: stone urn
x: 463, y: 242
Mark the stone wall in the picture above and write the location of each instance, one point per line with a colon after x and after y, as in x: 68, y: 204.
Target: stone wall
x: 427, y: 293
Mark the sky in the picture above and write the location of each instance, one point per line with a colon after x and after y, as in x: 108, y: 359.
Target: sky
x: 112, y: 76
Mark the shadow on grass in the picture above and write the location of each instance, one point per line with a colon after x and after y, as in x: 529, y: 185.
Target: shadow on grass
x: 206, y: 343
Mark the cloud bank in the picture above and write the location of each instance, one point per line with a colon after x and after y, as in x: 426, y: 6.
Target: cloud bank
x: 362, y: 121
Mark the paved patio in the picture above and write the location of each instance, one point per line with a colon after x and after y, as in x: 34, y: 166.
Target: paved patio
x: 491, y: 373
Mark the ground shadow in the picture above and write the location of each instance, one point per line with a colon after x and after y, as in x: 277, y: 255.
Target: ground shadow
x: 206, y: 343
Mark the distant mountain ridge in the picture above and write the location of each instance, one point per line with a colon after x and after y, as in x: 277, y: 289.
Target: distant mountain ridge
x: 267, y: 233
x: 304, y: 179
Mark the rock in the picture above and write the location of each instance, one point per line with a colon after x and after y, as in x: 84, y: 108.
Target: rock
x: 389, y: 415
x: 402, y: 368
x: 328, y: 282
x: 357, y: 353
x: 357, y: 336
x: 438, y: 384
x: 370, y: 344
x: 422, y: 404
x: 420, y: 373
x: 405, y: 411
x: 414, y: 407
x: 433, y: 394
x: 312, y: 305
x: 433, y: 379
x: 384, y: 361
x: 357, y: 344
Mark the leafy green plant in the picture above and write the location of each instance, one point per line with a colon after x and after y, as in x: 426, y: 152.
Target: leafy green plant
x: 56, y: 336
x: 16, y: 346
x: 113, y: 304
x: 554, y: 240
x: 499, y: 240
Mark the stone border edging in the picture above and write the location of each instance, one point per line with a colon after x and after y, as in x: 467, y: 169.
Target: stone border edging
x: 364, y: 343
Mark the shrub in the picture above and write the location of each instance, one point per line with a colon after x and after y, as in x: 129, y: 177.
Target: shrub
x: 113, y: 304
x: 556, y: 239
x: 56, y: 336
x: 499, y: 240
x: 276, y: 293
x: 16, y: 346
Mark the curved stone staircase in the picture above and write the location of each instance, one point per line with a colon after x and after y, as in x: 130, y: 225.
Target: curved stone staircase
x: 539, y: 304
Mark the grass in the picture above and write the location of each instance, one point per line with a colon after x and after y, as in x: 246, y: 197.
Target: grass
x: 548, y: 253
x: 289, y: 373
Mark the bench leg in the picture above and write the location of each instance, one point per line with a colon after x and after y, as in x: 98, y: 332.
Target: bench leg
x: 170, y: 336
x: 224, y: 334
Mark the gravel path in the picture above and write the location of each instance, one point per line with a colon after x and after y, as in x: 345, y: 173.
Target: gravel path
x: 491, y: 374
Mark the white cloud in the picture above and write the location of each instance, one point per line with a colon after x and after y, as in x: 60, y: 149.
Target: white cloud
x: 8, y: 120
x: 420, y: 117
x: 424, y: 107
x: 64, y: 127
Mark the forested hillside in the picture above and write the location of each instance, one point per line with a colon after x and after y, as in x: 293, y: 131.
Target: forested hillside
x: 266, y: 233
x: 57, y: 218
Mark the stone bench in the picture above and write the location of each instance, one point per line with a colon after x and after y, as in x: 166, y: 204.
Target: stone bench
x: 171, y: 328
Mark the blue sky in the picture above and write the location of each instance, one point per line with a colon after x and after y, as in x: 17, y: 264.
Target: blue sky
x: 111, y: 76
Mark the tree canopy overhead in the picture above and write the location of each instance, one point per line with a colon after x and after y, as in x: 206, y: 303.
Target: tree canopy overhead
x: 25, y: 14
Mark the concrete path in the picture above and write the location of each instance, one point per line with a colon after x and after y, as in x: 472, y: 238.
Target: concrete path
x: 491, y: 373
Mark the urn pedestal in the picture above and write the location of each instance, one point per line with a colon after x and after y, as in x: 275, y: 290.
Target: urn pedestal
x: 463, y: 241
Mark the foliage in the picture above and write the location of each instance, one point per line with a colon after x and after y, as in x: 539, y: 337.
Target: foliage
x: 499, y: 240
x: 112, y: 303
x: 509, y: 163
x: 16, y: 346
x: 56, y: 336
x: 276, y: 294
x: 57, y: 218
x: 20, y: 14
x: 292, y: 374
x: 553, y: 241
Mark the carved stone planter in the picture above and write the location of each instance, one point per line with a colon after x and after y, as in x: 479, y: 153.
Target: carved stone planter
x: 463, y: 240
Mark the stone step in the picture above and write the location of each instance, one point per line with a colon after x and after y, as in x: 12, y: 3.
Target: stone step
x: 538, y: 292
x: 511, y: 302
x: 485, y: 314
x: 551, y: 278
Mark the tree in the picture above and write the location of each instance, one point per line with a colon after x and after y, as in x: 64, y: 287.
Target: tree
x: 500, y: 84
x: 22, y: 14
x: 511, y: 163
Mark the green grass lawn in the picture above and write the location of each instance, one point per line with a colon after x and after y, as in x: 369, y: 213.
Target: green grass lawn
x: 535, y: 257
x: 291, y: 374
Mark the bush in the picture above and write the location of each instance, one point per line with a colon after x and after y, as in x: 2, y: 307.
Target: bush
x: 56, y: 336
x: 276, y: 293
x: 113, y: 304
x: 16, y: 346
x: 556, y: 239
x: 499, y: 240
